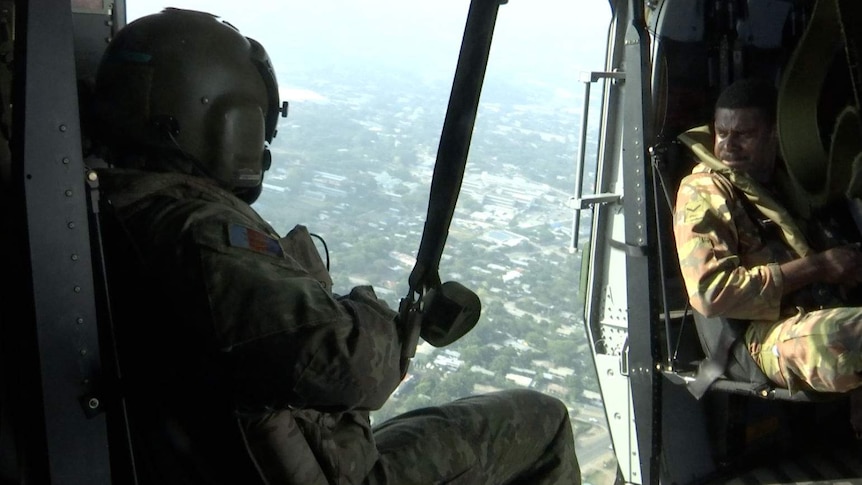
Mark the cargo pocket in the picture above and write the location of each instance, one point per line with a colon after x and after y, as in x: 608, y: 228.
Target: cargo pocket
x: 341, y: 442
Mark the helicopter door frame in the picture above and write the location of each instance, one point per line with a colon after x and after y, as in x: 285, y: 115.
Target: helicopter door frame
x: 622, y: 339
x: 50, y: 337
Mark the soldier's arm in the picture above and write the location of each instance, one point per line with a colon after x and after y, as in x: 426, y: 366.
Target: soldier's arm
x: 707, y: 241
x: 285, y: 338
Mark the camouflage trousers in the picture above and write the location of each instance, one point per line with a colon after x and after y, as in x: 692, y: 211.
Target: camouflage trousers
x: 819, y: 350
x: 508, y: 437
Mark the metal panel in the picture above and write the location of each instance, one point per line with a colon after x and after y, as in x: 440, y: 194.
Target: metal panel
x: 75, y: 432
x: 606, y: 314
x: 639, y: 241
x: 93, y: 30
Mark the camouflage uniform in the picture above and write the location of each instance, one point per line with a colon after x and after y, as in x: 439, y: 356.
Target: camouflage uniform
x: 730, y: 259
x: 226, y: 311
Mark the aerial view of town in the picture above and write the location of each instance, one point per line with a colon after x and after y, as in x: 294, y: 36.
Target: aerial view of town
x: 354, y: 164
x: 368, y: 86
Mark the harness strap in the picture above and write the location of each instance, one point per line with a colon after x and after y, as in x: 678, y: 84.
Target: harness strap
x: 713, y: 366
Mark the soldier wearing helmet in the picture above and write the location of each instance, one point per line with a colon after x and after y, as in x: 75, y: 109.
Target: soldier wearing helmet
x: 200, y: 105
x: 238, y: 361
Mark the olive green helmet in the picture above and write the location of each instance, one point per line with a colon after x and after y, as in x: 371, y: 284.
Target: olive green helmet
x: 187, y: 92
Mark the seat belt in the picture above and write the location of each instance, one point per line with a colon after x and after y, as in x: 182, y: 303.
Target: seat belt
x: 723, y: 334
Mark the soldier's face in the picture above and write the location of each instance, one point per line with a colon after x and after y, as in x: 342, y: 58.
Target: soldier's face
x: 746, y: 141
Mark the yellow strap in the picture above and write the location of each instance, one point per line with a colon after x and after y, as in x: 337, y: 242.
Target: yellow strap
x: 698, y: 139
x: 824, y: 173
x: 804, y: 78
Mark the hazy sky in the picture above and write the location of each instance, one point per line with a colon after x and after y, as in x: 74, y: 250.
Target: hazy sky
x: 542, y: 36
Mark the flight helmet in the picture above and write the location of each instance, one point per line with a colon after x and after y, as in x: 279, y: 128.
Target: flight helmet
x: 193, y: 95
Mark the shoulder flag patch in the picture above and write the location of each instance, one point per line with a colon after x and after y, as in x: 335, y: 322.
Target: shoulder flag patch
x: 244, y: 237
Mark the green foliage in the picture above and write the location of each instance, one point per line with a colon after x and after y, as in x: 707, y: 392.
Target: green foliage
x: 381, y: 138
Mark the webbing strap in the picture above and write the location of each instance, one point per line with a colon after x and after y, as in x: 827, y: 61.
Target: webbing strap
x: 455, y: 141
x: 713, y: 366
x: 822, y: 172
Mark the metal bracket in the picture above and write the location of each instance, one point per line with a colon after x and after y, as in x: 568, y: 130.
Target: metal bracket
x: 589, y: 201
x: 624, y: 359
x: 588, y: 78
x: 630, y: 249
x: 594, y: 76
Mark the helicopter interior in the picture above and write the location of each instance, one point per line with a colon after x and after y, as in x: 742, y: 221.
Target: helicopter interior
x: 808, y: 49
x: 692, y: 63
x: 38, y: 443
x: 830, y: 202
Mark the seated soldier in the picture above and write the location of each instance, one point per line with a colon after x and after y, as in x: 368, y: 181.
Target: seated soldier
x: 230, y: 339
x: 744, y: 256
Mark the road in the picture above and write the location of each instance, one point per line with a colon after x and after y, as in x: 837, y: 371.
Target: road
x: 593, y: 448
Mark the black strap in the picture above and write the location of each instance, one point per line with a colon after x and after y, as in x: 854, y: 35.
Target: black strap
x: 455, y: 141
x: 726, y: 355
x: 450, y: 164
x: 717, y: 337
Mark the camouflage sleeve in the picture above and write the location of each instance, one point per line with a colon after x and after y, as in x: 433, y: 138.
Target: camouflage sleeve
x: 287, y: 339
x: 707, y: 242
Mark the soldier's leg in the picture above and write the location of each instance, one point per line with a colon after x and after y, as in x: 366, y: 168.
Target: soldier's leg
x: 823, y: 348
x: 508, y: 437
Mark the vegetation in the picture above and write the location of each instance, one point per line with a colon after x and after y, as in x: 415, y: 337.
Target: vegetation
x: 356, y: 166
